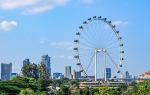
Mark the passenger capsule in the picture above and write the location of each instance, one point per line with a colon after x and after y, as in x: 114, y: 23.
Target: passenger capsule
x: 122, y: 51
x: 109, y: 22
x: 89, y: 19
x: 105, y: 19
x: 117, y: 32
x: 94, y: 17
x: 121, y: 44
x: 118, y: 71
x: 120, y: 65
x: 76, y: 56
x: 81, y: 27
x: 78, y: 64
x: 85, y: 22
x: 120, y: 38
x: 122, y: 59
x: 115, y: 77
x: 76, y: 41
x: 78, y: 33
x: 113, y: 26
x: 100, y: 17
x: 75, y: 48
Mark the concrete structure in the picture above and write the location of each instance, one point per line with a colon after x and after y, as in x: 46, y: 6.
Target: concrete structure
x: 26, y: 61
x: 108, y: 73
x: 96, y: 84
x: 57, y: 75
x: 6, y: 70
x: 68, y: 72
x: 46, y: 60
x: 76, y: 75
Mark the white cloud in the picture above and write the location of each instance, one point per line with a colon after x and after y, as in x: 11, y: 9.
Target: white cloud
x: 31, y: 6
x: 14, y: 4
x: 70, y: 57
x: 7, y: 25
x: 58, y: 57
x: 63, y: 45
x: 63, y: 57
x: 120, y: 23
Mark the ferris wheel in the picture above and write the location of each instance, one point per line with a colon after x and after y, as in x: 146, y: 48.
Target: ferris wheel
x: 99, y: 49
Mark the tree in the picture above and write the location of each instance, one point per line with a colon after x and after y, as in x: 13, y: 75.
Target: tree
x: 43, y: 72
x: 65, y: 90
x: 27, y: 70
x: 144, y: 88
x: 35, y: 71
x: 43, y: 84
x: 26, y: 91
x: 104, y: 91
x: 30, y: 70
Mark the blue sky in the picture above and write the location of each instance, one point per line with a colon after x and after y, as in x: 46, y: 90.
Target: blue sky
x: 31, y: 28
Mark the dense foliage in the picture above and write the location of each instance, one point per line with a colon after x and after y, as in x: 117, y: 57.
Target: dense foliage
x: 35, y: 81
x: 31, y: 86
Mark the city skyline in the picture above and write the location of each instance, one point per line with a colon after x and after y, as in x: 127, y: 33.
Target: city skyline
x: 28, y: 33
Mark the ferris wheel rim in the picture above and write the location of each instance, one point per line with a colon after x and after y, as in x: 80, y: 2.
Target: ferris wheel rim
x: 113, y: 28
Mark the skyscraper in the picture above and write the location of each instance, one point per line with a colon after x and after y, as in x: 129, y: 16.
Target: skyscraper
x: 127, y: 75
x: 46, y: 60
x: 108, y: 73
x: 6, y: 70
x: 68, y: 72
x: 76, y: 74
x: 26, y: 61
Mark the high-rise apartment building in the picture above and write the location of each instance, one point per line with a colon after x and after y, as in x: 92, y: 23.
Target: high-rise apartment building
x: 6, y: 70
x: 68, y: 72
x: 46, y: 60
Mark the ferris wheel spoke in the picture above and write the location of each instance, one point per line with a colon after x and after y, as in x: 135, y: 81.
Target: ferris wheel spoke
x: 87, y: 42
x: 90, y: 62
x: 86, y: 45
x: 111, y: 44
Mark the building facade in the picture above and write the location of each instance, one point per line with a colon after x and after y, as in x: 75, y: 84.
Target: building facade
x: 46, y: 60
x: 57, y: 75
x: 108, y: 73
x: 76, y: 74
x: 68, y: 72
x: 127, y: 75
x: 6, y: 70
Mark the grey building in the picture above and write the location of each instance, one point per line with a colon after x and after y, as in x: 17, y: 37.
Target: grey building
x: 6, y: 70
x: 68, y: 72
x: 76, y: 74
x: 127, y: 75
x: 26, y: 61
x: 46, y: 60
x: 57, y: 75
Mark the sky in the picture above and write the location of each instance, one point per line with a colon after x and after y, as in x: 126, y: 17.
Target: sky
x: 32, y: 28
